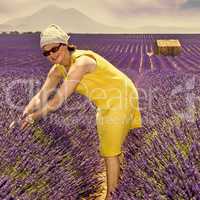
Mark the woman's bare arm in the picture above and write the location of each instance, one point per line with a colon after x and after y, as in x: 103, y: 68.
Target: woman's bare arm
x: 41, y: 97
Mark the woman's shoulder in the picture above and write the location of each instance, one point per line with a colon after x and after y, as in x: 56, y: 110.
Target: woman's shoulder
x: 83, y: 55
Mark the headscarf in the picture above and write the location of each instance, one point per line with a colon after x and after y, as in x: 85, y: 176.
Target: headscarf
x: 53, y: 34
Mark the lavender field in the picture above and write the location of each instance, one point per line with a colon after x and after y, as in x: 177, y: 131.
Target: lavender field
x: 58, y: 158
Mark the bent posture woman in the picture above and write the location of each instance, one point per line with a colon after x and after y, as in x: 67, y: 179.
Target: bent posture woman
x: 89, y: 74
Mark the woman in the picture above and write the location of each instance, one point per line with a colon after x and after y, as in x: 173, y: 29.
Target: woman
x: 89, y: 74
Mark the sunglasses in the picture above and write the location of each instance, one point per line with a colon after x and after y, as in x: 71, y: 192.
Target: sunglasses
x: 53, y: 50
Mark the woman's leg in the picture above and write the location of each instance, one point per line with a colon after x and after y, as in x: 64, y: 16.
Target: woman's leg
x: 112, y: 173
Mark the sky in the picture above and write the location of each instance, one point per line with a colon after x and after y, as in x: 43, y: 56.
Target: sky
x: 123, y: 13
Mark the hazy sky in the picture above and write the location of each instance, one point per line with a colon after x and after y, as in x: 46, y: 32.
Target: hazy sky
x: 115, y: 12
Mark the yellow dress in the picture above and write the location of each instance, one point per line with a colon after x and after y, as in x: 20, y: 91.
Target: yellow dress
x: 116, y: 99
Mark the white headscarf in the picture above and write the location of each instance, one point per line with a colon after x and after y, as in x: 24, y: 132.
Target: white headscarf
x: 53, y: 34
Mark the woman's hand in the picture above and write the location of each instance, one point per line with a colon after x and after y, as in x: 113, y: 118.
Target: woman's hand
x: 28, y: 121
x: 18, y: 121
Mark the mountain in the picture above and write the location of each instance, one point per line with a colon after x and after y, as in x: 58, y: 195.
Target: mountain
x: 71, y: 20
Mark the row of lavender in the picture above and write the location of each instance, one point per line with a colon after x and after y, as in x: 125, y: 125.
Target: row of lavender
x: 125, y: 51
x: 58, y: 158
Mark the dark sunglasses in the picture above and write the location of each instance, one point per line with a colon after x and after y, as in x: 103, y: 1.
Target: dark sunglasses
x: 53, y: 50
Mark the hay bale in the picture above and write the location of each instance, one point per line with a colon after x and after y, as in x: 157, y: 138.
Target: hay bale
x: 167, y: 47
